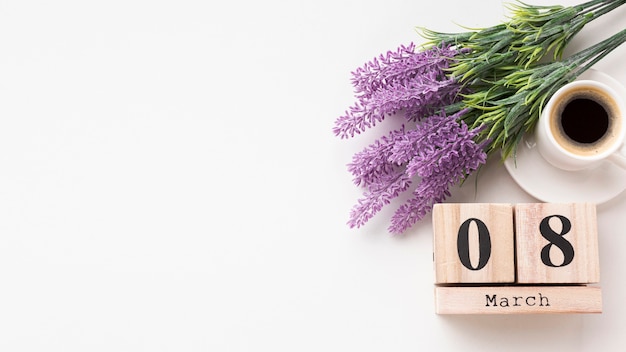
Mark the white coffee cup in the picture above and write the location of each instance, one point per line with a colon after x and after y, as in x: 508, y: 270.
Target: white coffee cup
x: 582, y: 125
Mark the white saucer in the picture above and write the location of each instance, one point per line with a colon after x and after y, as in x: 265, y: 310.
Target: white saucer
x: 550, y: 184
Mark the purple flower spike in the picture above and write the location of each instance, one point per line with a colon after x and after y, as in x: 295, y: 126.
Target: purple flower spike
x: 374, y: 200
x: 440, y: 151
x: 356, y: 119
x: 403, y: 80
x: 401, y: 66
x: 374, y: 163
x: 428, y: 192
x: 449, y: 157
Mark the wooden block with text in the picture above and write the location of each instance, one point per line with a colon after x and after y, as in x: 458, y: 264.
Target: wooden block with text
x: 544, y: 299
x: 557, y: 243
x: 473, y: 243
x: 523, y: 259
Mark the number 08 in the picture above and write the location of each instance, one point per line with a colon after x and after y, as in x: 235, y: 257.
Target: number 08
x: 484, y: 242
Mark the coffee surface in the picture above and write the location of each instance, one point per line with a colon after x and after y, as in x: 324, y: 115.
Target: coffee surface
x: 585, y: 121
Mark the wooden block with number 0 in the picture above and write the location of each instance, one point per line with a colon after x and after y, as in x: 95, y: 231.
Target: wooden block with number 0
x: 473, y: 243
x: 557, y: 243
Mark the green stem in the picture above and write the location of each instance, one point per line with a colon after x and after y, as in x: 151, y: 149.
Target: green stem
x: 601, y: 7
x: 590, y: 56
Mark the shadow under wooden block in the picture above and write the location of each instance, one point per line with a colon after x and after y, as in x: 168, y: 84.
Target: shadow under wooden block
x: 557, y: 243
x: 517, y: 299
x: 473, y: 243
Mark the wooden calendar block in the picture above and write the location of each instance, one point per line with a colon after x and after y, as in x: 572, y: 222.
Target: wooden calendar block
x: 557, y: 243
x: 518, y: 299
x: 473, y: 243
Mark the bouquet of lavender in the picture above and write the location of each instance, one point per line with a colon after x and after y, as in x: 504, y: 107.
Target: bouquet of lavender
x: 463, y: 96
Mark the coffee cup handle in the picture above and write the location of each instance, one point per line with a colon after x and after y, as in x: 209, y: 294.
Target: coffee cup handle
x: 619, y: 157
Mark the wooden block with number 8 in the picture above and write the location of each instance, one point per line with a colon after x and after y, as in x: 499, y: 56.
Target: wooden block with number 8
x: 473, y: 243
x: 557, y: 243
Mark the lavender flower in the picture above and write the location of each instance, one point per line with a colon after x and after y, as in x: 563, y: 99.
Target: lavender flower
x: 377, y: 197
x: 420, y: 97
x: 441, y: 151
x: 415, y: 82
x: 430, y: 191
x: 403, y: 65
x: 374, y: 164
x: 444, y: 144
x: 452, y: 155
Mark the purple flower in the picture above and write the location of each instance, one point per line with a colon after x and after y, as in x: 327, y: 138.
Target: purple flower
x: 450, y: 156
x: 438, y: 141
x: 403, y: 65
x: 430, y: 191
x: 377, y: 197
x: 374, y: 164
x: 441, y: 151
x: 407, y: 80
x: 420, y: 97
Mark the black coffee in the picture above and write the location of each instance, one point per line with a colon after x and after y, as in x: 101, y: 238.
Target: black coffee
x: 584, y: 120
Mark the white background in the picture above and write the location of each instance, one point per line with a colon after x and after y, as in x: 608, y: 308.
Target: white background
x: 169, y: 182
